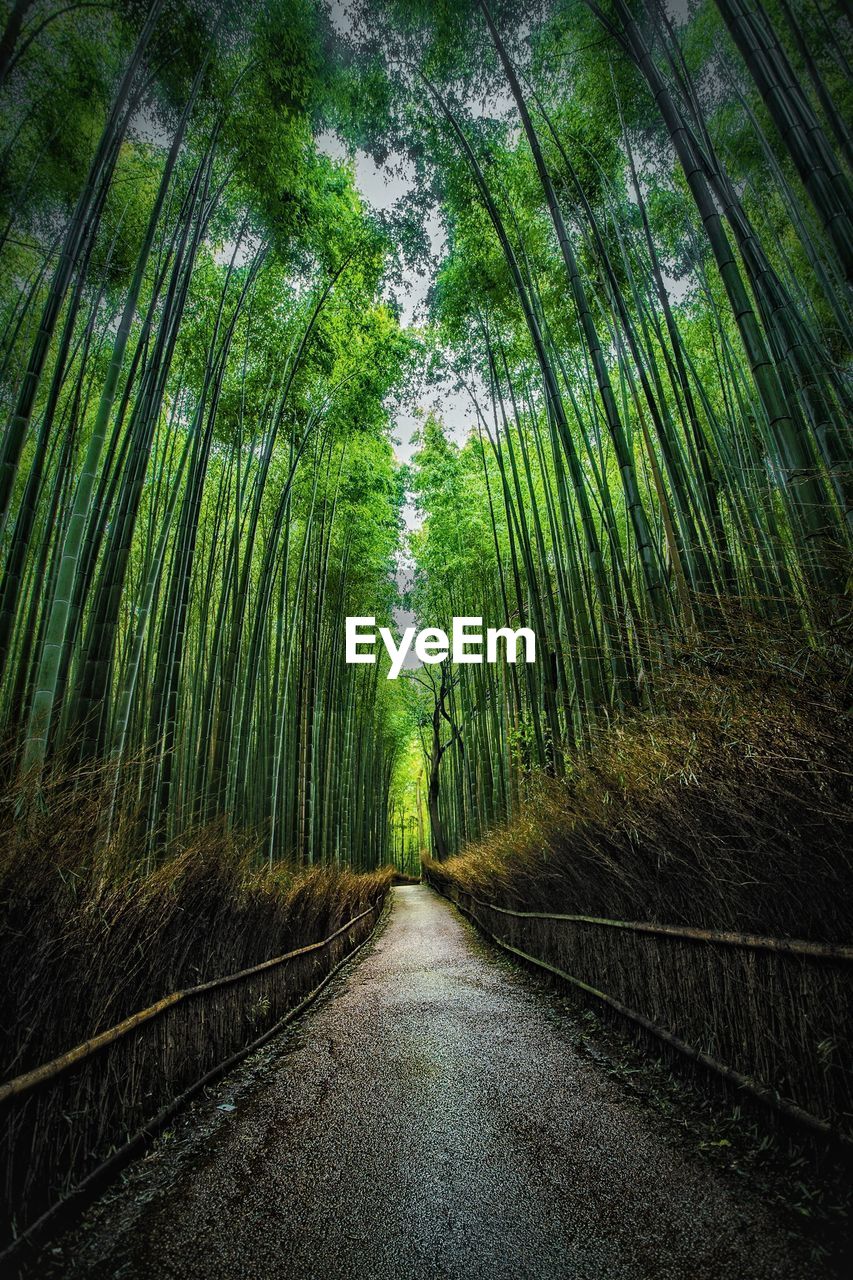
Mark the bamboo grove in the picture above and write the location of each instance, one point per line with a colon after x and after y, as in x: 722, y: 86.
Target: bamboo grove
x: 642, y: 287
x: 197, y: 481
x: 645, y: 296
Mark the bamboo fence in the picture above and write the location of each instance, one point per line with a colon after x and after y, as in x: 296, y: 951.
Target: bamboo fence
x: 71, y: 1123
x: 771, y: 1016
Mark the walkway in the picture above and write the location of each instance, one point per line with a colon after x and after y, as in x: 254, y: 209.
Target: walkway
x: 433, y: 1121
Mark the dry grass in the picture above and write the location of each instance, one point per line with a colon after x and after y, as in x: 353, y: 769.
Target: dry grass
x: 729, y: 808
x: 86, y: 940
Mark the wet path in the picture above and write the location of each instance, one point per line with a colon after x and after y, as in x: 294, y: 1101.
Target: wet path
x: 432, y: 1121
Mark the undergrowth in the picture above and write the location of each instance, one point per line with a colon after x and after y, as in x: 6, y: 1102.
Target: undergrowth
x: 88, y: 937
x: 728, y: 806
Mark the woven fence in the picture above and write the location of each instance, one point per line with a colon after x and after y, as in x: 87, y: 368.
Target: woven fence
x: 774, y: 1016
x: 61, y: 1122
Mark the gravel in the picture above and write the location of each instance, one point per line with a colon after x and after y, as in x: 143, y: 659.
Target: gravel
x: 431, y: 1120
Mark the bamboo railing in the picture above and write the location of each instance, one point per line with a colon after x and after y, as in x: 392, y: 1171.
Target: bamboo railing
x: 786, y: 946
x: 30, y: 1080
x: 109, y: 1096
x: 777, y: 1006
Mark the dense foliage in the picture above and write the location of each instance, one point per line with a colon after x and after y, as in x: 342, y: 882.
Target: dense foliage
x: 642, y: 285
x: 645, y: 295
x: 197, y: 479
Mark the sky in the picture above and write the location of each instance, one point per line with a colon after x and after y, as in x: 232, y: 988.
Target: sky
x: 381, y: 186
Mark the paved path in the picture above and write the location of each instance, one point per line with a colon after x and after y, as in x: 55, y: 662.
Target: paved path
x: 432, y: 1121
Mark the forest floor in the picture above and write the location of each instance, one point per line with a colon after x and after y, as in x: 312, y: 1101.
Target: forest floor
x: 442, y: 1113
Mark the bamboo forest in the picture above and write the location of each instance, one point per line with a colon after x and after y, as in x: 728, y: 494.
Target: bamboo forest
x: 401, y: 314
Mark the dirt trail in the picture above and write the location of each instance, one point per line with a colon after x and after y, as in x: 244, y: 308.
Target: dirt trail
x: 431, y: 1120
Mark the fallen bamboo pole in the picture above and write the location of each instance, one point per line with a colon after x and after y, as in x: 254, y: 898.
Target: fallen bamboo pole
x: 24, y: 1084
